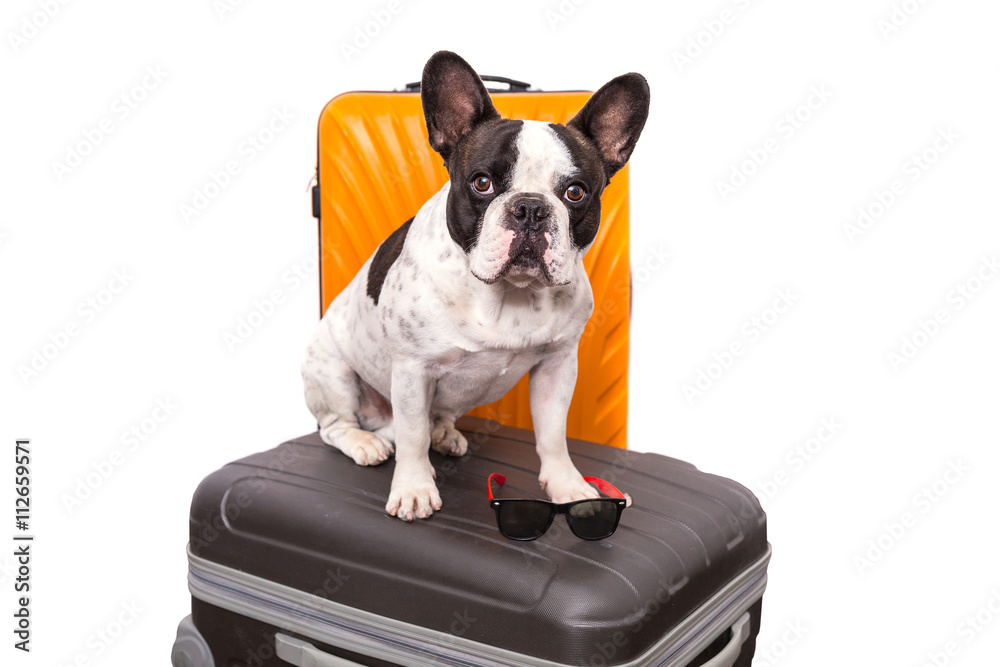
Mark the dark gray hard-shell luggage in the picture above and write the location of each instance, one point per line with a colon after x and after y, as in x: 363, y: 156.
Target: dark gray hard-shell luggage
x: 293, y: 561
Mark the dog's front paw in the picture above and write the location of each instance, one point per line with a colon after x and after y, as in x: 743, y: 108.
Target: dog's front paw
x: 365, y: 447
x: 567, y: 485
x: 448, y: 441
x: 413, y: 496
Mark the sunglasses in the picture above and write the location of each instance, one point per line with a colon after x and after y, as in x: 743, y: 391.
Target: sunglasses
x: 528, y: 519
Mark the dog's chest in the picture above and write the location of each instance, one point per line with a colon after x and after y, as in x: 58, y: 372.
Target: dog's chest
x: 477, y: 343
x: 466, y: 379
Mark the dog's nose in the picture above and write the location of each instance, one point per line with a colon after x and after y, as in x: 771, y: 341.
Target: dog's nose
x: 530, y: 213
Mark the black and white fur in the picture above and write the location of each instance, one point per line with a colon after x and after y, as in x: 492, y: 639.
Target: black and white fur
x: 486, y: 283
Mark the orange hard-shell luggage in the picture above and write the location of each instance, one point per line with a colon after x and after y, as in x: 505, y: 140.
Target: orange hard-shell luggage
x: 375, y: 169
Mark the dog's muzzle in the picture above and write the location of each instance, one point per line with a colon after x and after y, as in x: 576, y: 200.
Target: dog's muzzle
x: 528, y: 214
x: 529, y: 218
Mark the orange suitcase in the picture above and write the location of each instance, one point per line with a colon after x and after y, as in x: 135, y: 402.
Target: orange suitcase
x: 375, y: 169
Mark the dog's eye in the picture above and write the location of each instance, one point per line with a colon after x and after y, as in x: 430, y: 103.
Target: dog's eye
x: 575, y: 193
x: 482, y: 184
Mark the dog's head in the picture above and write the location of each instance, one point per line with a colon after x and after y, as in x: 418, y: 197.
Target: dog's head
x: 525, y: 197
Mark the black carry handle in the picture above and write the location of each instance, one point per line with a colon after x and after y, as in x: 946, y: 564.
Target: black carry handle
x: 514, y: 86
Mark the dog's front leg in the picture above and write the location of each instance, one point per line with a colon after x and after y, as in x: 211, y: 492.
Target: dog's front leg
x: 414, y: 493
x: 551, y: 384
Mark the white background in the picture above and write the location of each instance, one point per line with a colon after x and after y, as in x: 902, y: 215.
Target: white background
x: 901, y: 426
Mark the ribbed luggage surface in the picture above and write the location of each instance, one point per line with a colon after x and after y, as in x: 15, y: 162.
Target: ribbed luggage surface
x: 299, y: 512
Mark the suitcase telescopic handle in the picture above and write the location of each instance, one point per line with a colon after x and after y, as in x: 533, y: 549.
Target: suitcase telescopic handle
x: 513, y: 85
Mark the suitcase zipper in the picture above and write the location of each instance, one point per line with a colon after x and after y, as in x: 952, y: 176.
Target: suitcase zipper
x: 337, y: 625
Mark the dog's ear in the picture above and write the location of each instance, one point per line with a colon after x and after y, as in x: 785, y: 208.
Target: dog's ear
x: 614, y: 117
x: 454, y: 100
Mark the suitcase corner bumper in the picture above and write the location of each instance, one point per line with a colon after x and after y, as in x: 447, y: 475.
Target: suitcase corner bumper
x: 190, y: 648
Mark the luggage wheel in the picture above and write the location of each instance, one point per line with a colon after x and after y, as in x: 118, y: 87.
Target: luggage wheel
x: 190, y: 648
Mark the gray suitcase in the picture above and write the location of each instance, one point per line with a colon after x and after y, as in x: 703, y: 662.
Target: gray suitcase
x: 293, y: 561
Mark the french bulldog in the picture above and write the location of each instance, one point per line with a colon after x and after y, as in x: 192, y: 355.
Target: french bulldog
x: 486, y: 283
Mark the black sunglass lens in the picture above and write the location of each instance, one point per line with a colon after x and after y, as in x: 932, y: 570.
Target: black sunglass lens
x: 524, y: 520
x: 594, y: 519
